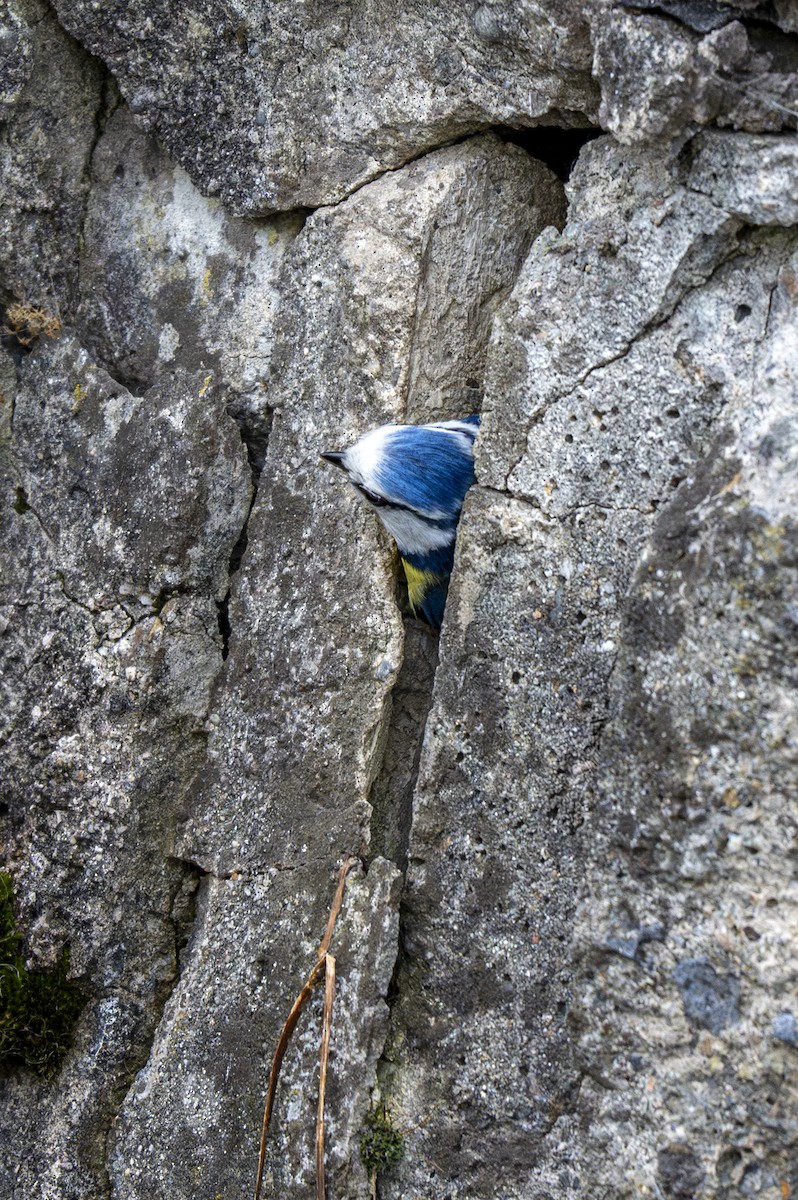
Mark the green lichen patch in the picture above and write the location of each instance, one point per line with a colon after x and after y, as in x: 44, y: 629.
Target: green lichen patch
x: 381, y: 1145
x: 38, y: 1009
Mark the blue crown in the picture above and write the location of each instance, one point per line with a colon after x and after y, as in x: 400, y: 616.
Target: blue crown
x: 429, y: 468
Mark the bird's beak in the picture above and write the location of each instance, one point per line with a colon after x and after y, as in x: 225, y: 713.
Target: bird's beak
x: 336, y: 457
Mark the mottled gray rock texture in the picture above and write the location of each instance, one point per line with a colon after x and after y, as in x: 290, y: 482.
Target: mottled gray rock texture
x: 283, y: 105
x: 52, y: 101
x: 566, y: 955
x: 118, y: 520
x: 303, y: 710
x: 661, y: 78
x: 192, y: 1118
x: 599, y: 914
x: 382, y: 82
x: 169, y: 279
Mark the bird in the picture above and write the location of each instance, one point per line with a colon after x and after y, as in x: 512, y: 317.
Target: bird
x: 416, y: 477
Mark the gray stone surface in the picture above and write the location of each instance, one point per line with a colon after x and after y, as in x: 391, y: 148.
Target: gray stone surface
x: 361, y: 281
x: 585, y: 985
x: 662, y: 78
x: 168, y: 279
x: 297, y: 106
x: 637, y: 241
x: 52, y: 101
x: 785, y: 1028
x: 599, y: 919
x: 191, y: 1122
x: 696, y: 775
x: 302, y: 713
x: 118, y: 519
x: 755, y: 177
x: 279, y: 106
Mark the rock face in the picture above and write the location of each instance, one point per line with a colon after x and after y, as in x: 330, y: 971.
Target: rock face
x: 169, y: 280
x: 592, y: 937
x: 660, y: 78
x: 302, y: 712
x: 565, y: 957
x: 119, y: 519
x: 52, y: 101
x: 379, y: 83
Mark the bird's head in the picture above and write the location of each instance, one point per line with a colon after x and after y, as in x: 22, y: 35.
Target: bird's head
x: 415, y: 476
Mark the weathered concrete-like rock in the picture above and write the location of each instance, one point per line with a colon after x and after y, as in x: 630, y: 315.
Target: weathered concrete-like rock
x: 169, y: 280
x: 594, y: 993
x: 647, y: 240
x: 279, y: 106
x: 696, y: 775
x: 588, y: 941
x: 756, y: 178
x: 296, y: 107
x: 662, y: 78
x: 51, y: 100
x: 383, y: 317
x: 365, y: 285
x: 119, y: 515
x: 208, y: 1064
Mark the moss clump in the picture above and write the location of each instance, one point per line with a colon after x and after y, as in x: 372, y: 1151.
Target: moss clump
x: 38, y: 1009
x: 27, y: 323
x: 381, y: 1146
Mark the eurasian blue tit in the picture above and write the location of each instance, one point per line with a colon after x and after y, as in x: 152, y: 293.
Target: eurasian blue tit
x: 416, y: 478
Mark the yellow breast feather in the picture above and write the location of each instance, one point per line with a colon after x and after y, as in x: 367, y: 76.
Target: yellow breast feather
x: 418, y: 582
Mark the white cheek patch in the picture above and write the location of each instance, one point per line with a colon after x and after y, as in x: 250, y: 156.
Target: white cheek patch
x: 361, y: 459
x: 412, y: 534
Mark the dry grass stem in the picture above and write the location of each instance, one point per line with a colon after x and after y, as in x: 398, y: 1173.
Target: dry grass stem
x: 329, y: 997
x: 296, y: 1011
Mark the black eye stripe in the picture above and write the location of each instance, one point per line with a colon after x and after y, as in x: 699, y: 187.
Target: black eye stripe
x: 372, y: 497
x: 381, y: 502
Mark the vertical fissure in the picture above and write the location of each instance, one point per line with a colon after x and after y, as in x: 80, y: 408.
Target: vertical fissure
x: 391, y: 822
x: 185, y: 889
x: 256, y: 443
x: 395, y: 788
x: 411, y: 700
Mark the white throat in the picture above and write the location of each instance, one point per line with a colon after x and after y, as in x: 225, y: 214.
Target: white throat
x: 412, y: 534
